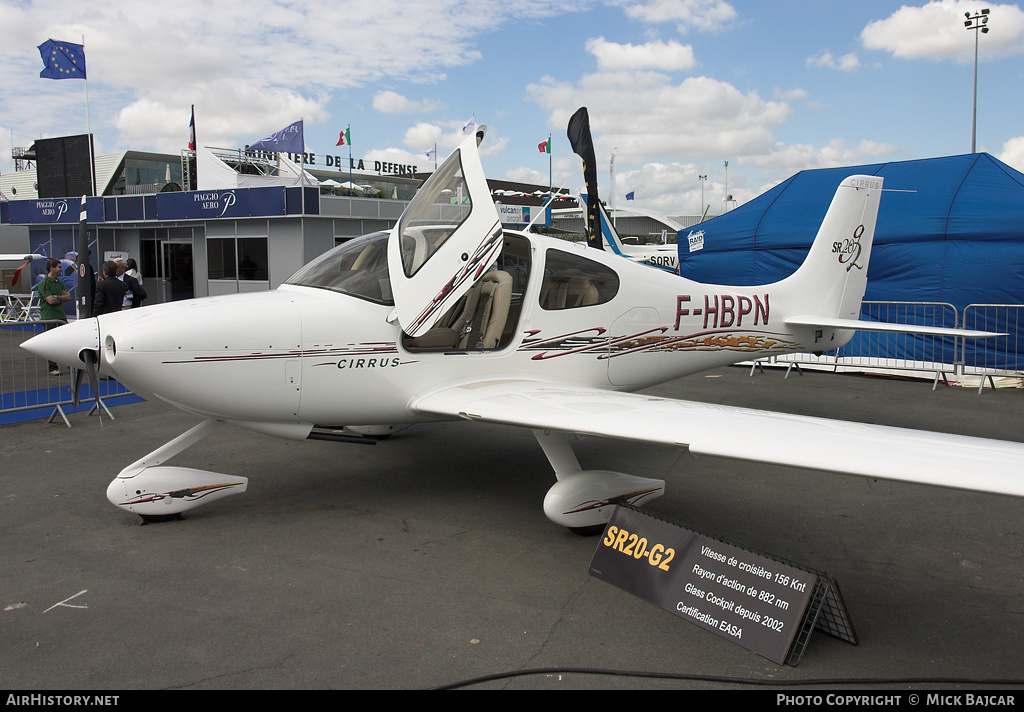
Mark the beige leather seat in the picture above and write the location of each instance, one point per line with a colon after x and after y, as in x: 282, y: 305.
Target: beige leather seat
x: 486, y: 311
x: 477, y: 321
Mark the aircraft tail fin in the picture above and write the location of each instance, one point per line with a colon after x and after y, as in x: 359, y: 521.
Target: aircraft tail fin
x: 609, y: 235
x: 835, y: 273
x: 834, y: 276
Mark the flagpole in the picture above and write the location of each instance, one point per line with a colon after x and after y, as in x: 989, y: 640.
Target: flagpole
x: 88, y: 130
x: 302, y: 167
x: 611, y: 200
x: 195, y: 152
x: 551, y: 183
x: 348, y: 135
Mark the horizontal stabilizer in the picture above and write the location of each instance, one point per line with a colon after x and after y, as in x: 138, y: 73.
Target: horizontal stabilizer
x: 858, y: 325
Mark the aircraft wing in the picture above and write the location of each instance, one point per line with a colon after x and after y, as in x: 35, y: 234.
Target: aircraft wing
x: 20, y: 257
x: 741, y: 433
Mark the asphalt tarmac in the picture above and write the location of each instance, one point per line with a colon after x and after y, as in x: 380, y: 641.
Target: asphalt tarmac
x: 426, y: 560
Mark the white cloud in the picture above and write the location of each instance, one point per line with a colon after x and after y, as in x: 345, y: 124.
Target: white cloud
x: 697, y: 14
x: 789, y: 94
x: 398, y: 157
x: 424, y: 135
x: 826, y: 59
x: 665, y: 56
x: 162, y: 123
x: 389, y: 102
x: 669, y: 188
x: 873, y: 149
x: 699, y: 117
x: 1013, y: 153
x: 249, y: 68
x: 936, y: 31
x: 447, y: 136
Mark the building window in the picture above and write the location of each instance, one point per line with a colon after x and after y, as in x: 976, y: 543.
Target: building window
x: 242, y: 258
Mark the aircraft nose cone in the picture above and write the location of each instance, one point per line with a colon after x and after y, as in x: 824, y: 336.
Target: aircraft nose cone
x: 64, y: 344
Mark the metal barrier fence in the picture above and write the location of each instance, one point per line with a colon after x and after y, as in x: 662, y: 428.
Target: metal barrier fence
x: 999, y: 356
x: 938, y: 356
x: 26, y: 383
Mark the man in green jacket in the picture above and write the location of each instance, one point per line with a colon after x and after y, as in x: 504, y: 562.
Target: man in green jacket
x: 52, y: 296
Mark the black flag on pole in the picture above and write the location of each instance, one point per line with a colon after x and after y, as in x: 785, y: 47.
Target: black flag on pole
x: 582, y: 144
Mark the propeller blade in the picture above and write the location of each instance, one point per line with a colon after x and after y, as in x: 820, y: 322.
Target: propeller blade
x: 75, y: 389
x: 91, y: 359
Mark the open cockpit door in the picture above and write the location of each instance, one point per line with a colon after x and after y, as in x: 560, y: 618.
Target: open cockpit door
x: 445, y: 240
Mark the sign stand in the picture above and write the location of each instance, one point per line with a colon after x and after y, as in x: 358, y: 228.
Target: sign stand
x: 762, y: 602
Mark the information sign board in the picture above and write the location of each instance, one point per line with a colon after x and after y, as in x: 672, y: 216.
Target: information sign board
x: 753, y: 599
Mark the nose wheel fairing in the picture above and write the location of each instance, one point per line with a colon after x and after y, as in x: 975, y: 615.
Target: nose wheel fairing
x: 164, y: 491
x: 154, y: 491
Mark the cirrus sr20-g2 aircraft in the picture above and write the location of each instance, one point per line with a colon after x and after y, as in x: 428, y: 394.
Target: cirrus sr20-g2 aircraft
x: 450, y: 316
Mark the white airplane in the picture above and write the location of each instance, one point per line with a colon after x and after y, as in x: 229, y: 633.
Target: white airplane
x: 664, y: 257
x: 448, y: 317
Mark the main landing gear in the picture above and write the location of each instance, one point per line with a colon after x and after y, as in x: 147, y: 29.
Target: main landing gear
x: 583, y: 500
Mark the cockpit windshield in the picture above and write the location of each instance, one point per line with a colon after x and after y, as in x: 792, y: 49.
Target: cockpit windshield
x: 358, y: 267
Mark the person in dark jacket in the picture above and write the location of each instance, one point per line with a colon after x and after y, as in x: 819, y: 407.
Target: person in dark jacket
x: 110, y: 291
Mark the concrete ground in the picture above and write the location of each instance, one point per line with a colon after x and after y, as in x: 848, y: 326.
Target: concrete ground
x: 426, y: 560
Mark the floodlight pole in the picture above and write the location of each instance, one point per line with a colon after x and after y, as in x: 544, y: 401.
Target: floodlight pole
x: 976, y: 22
x: 702, y: 179
x: 726, y: 187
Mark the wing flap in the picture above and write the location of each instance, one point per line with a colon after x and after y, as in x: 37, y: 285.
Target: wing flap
x: 741, y: 433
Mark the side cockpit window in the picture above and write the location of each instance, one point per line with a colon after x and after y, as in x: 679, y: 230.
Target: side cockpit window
x: 358, y: 267
x: 572, y: 281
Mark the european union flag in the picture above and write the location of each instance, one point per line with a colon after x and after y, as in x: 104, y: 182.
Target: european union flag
x: 62, y: 60
x: 287, y: 140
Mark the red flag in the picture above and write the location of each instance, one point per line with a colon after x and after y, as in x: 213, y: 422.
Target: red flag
x: 544, y: 146
x: 17, y: 273
x: 343, y: 138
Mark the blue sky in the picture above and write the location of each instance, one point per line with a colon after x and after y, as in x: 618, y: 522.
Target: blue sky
x: 674, y: 87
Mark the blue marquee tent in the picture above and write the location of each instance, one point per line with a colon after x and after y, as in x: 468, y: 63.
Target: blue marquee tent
x: 949, y: 230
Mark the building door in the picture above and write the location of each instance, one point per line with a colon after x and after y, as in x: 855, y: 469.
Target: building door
x: 178, y: 273
x: 167, y: 268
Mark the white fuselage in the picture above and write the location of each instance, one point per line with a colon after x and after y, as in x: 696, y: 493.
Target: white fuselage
x: 297, y: 357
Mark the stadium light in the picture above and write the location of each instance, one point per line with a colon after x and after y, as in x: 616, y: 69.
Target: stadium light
x: 976, y: 22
